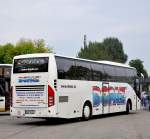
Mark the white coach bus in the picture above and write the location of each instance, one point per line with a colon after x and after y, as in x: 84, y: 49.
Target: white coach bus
x: 48, y: 85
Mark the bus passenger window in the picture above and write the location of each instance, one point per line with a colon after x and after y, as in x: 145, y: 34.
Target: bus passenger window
x: 83, y: 71
x: 109, y: 72
x: 65, y: 68
x: 97, y: 72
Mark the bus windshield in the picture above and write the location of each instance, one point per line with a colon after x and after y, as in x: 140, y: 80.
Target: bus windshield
x: 28, y: 65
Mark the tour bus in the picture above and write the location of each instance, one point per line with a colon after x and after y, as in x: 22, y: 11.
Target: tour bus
x: 48, y: 85
x: 5, y: 74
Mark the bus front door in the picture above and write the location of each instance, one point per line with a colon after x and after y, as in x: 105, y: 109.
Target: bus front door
x: 105, y: 98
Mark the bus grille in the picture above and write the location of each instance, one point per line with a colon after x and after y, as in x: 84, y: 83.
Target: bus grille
x: 30, y: 88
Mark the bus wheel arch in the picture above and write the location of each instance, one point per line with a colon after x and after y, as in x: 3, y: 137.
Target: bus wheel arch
x: 128, y: 106
x: 87, y: 111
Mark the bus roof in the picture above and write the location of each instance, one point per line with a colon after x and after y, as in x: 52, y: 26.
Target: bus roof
x: 32, y: 55
x: 5, y: 65
x: 101, y: 61
x: 115, y: 64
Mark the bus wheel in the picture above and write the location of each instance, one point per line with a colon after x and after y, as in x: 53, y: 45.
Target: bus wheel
x: 128, y: 106
x: 87, y: 111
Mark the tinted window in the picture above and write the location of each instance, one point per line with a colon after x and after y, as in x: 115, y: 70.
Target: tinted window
x: 120, y: 74
x: 134, y: 73
x: 27, y: 65
x: 83, y: 70
x: 131, y: 73
x: 73, y: 69
x: 7, y: 72
x: 131, y: 76
x: 97, y: 72
x: 109, y: 73
x: 65, y: 68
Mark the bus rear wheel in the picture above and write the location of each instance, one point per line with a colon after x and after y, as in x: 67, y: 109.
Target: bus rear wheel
x: 87, y: 112
x: 128, y: 107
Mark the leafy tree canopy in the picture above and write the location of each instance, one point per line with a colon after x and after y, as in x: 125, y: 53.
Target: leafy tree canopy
x: 23, y: 46
x: 138, y: 64
x: 110, y: 49
x: 7, y: 52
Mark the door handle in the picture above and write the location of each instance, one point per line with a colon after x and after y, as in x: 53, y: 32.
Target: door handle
x: 1, y: 99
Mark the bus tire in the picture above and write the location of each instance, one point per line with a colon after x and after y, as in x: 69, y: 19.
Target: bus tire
x: 128, y: 107
x: 87, y: 111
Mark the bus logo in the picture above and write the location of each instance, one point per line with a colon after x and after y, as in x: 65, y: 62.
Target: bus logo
x: 29, y: 79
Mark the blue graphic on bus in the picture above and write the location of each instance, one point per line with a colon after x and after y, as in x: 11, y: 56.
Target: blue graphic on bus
x: 107, y: 98
x: 116, y: 98
x: 28, y: 79
x: 96, y: 94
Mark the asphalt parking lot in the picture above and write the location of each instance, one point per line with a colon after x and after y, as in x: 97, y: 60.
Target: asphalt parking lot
x: 114, y: 126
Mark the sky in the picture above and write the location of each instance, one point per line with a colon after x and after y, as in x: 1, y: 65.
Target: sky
x: 63, y: 23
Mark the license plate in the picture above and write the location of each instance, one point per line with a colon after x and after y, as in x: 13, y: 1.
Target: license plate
x: 29, y: 111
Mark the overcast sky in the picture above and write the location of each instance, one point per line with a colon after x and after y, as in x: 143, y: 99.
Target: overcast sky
x: 62, y: 23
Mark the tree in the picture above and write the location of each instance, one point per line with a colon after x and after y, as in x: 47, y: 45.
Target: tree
x: 23, y: 46
x: 138, y: 64
x: 40, y: 46
x: 91, y: 51
x: 7, y: 53
x: 114, y: 49
x: 110, y: 49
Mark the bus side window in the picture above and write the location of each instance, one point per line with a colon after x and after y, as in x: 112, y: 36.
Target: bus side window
x: 7, y: 72
x: 83, y: 70
x: 97, y: 72
x: 61, y: 74
x: 120, y: 74
x: 109, y: 73
x: 65, y: 68
x: 131, y: 75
